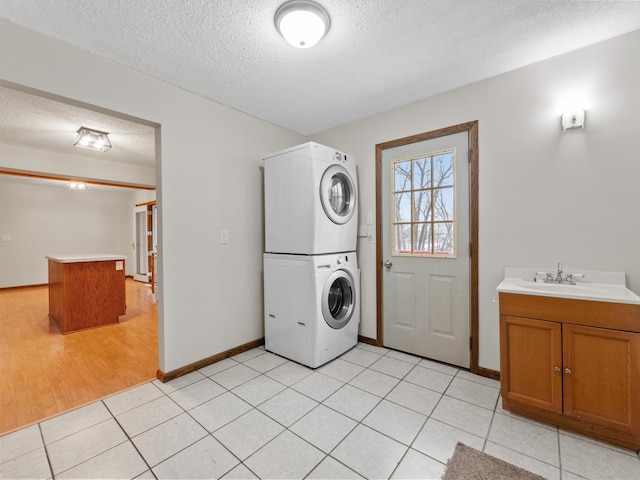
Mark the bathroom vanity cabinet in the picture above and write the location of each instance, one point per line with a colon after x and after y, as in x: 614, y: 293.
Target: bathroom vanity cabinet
x: 572, y: 363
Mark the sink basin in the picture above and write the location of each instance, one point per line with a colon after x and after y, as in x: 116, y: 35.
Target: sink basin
x: 566, y: 288
x: 592, y: 290
x: 521, y: 281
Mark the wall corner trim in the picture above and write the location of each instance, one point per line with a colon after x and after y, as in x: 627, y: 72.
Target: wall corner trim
x: 192, y: 367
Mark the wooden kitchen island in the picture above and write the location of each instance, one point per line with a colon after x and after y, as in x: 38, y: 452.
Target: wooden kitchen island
x: 86, y: 291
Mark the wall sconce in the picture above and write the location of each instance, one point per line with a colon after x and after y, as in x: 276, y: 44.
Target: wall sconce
x: 302, y: 23
x: 92, y: 139
x: 574, y: 119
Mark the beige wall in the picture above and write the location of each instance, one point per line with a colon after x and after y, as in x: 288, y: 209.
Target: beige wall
x: 18, y: 158
x: 209, y: 179
x: 545, y: 196
x: 46, y: 219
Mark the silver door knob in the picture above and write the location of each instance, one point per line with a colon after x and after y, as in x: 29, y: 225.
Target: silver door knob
x: 387, y: 264
x: 567, y: 370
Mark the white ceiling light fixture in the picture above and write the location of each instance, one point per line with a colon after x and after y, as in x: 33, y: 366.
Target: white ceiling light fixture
x: 77, y: 186
x: 302, y: 23
x: 92, y: 139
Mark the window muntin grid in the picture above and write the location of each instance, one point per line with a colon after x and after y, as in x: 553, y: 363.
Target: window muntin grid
x: 423, y: 205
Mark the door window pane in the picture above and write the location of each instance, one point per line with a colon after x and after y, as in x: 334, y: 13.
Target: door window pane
x: 422, y: 173
x: 402, y: 176
x: 402, y: 242
x: 443, y: 238
x: 422, y: 238
x: 443, y: 204
x: 424, y: 205
x: 443, y: 170
x: 402, y: 207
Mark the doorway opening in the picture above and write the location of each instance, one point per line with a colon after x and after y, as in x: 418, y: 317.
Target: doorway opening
x: 140, y: 150
x: 442, y: 284
x: 145, y: 244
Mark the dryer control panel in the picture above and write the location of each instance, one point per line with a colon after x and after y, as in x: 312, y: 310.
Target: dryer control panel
x: 340, y: 157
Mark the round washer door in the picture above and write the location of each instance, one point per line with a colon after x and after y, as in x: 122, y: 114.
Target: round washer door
x: 338, y: 194
x: 338, y: 299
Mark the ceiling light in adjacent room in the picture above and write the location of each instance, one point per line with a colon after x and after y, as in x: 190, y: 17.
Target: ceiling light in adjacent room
x: 93, y: 139
x: 302, y: 23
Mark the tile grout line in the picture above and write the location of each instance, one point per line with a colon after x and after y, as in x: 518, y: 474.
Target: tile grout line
x: 130, y: 440
x: 408, y: 447
x: 286, y: 387
x: 559, y: 453
x: 358, y: 423
x: 78, y: 432
x: 46, y: 451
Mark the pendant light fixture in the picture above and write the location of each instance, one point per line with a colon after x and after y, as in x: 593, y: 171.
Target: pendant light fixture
x: 92, y: 139
x: 302, y: 23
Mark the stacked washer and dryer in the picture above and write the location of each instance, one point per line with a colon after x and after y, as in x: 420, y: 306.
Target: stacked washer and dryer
x: 311, y: 275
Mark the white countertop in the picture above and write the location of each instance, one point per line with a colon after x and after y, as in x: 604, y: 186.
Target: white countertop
x: 85, y: 257
x: 596, y: 286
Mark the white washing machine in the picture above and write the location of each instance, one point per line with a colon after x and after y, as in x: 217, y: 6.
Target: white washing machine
x: 311, y: 196
x: 311, y: 306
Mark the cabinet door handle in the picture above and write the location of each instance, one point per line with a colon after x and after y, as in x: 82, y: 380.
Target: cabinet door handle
x: 556, y: 369
x: 567, y: 370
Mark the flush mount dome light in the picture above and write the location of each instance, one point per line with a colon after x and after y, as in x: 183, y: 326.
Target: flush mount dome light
x: 302, y: 23
x: 93, y: 139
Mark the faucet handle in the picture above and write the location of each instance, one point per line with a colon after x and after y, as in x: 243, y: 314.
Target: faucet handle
x: 547, y: 276
x: 571, y: 276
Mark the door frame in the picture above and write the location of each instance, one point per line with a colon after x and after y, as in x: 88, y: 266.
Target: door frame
x: 150, y: 234
x: 472, y: 129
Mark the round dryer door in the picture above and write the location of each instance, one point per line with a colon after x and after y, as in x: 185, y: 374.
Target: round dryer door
x: 338, y: 194
x: 338, y: 299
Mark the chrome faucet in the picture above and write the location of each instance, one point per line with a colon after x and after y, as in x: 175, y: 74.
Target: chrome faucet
x: 549, y: 278
x: 559, y: 276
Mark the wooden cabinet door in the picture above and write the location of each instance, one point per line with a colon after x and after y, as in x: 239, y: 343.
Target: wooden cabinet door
x: 602, y: 376
x: 531, y: 362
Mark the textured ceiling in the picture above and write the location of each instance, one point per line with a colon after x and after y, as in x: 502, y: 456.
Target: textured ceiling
x: 43, y: 123
x: 378, y: 54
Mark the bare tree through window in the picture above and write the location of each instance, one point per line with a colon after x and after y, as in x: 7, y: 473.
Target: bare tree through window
x: 423, y: 205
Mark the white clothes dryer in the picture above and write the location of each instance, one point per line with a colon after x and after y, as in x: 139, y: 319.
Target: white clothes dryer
x: 311, y: 197
x: 311, y: 306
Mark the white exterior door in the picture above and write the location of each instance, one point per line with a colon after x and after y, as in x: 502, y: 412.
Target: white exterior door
x: 425, y: 248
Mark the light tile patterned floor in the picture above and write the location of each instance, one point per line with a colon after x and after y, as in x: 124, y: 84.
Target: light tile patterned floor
x: 373, y: 413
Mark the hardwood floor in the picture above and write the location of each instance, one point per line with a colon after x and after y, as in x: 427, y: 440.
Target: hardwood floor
x: 44, y: 373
